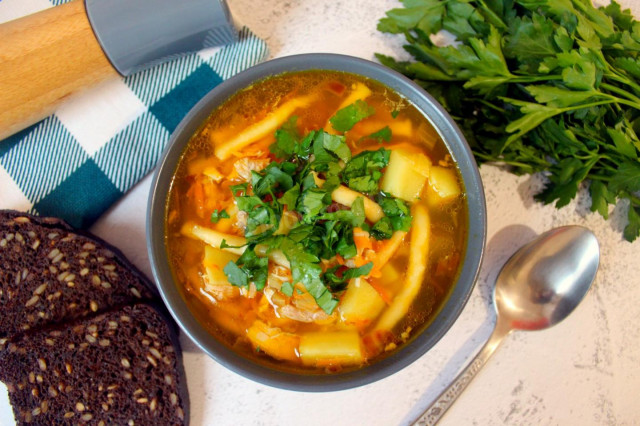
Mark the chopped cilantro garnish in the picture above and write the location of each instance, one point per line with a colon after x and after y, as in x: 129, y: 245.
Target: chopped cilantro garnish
x: 337, y: 146
x: 366, y: 184
x: 217, y: 215
x: 248, y: 268
x: 290, y: 198
x: 235, y: 275
x: 287, y: 289
x: 396, y: 210
x: 382, y: 135
x: 348, y: 116
x: 306, y: 269
x: 339, y: 282
x: 239, y: 190
x: 312, y: 203
x: 355, y: 216
x: 287, y: 139
x: 395, y: 113
x: 363, y: 172
x: 322, y: 232
x: 383, y: 229
x: 271, y: 179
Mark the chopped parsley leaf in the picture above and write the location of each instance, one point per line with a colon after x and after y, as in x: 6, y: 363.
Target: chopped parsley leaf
x: 322, y: 233
x: 350, y: 115
x: 217, y: 215
x: 382, y: 135
x: 287, y: 289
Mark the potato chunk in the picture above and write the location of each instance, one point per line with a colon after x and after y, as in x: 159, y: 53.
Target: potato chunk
x: 214, y: 262
x: 361, y: 303
x: 324, y: 348
x: 406, y: 174
x: 444, y: 182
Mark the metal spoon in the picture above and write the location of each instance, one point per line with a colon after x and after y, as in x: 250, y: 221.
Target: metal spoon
x: 539, y: 286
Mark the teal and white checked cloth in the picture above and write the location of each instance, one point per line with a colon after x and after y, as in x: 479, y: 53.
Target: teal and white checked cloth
x: 77, y: 162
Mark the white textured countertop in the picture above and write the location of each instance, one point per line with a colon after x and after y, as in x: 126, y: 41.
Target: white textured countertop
x: 584, y: 371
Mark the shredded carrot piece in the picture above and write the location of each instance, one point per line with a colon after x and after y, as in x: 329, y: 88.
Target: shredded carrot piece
x: 361, y: 239
x: 384, y: 293
x: 196, y: 193
x: 386, y: 250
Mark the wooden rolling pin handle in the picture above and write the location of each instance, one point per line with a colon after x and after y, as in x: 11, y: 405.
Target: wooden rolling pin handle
x: 45, y: 58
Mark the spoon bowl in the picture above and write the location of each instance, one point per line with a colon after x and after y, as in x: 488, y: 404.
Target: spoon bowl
x: 539, y: 286
x: 544, y: 281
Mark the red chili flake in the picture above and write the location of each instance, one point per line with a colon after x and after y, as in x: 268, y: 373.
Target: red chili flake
x: 337, y: 87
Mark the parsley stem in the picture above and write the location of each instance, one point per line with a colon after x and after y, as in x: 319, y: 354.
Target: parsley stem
x: 535, y: 78
x: 594, y: 176
x: 488, y: 104
x: 619, y: 91
x: 635, y: 105
x: 592, y: 104
x: 493, y: 159
x: 621, y: 79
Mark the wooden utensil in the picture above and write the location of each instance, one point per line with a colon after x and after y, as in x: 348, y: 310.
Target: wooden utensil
x: 45, y: 58
x: 49, y: 56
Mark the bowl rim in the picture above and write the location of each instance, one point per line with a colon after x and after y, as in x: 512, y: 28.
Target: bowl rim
x: 449, y: 311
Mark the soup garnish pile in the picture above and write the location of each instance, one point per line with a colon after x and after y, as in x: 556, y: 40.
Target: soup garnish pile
x: 316, y: 222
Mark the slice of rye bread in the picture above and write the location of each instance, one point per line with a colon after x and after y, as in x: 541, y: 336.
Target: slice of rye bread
x: 121, y: 367
x: 50, y: 273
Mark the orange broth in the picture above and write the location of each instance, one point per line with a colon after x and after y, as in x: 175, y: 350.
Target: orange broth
x: 290, y: 332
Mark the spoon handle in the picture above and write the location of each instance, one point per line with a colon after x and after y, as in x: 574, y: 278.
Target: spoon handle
x: 447, y: 397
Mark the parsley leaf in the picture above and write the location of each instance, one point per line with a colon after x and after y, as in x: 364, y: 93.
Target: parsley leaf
x: 350, y: 115
x: 290, y: 198
x: 536, y: 85
x: 632, y: 230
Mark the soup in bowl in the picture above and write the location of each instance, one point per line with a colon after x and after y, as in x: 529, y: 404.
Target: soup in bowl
x: 314, y: 227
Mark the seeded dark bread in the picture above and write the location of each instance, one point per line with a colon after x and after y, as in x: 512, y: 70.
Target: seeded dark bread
x: 115, y: 368
x: 51, y: 273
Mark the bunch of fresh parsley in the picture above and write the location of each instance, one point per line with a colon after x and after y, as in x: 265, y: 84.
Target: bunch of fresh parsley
x: 538, y: 85
x: 321, y: 233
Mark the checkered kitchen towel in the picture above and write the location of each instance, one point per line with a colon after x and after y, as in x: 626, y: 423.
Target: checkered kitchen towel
x: 79, y: 161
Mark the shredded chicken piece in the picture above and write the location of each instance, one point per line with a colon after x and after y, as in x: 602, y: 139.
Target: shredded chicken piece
x: 243, y: 167
x: 241, y: 221
x: 249, y: 293
x: 294, y: 313
x: 217, y: 292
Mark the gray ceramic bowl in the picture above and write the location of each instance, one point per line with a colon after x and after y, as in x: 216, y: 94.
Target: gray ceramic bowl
x: 415, y: 348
